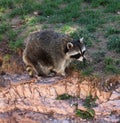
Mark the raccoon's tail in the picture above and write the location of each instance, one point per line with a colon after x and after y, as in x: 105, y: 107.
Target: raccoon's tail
x: 29, y: 66
x: 30, y: 71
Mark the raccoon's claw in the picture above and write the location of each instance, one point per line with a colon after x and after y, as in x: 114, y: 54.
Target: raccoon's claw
x: 52, y: 74
x: 63, y: 74
x: 37, y: 77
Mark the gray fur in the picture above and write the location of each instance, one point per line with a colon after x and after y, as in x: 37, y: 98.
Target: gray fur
x: 47, y: 51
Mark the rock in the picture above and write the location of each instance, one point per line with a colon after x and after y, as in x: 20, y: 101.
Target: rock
x: 107, y: 107
x: 37, y: 13
x: 3, y: 83
x: 112, y: 119
x: 115, y: 95
x: 85, y: 89
x: 118, y: 12
x: 39, y: 96
x: 103, y: 96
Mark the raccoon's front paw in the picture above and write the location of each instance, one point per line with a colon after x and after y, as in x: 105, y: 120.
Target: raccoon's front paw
x: 37, y: 77
x: 63, y: 74
x: 52, y: 74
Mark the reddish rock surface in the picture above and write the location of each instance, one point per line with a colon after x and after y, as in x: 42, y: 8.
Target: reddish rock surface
x: 25, y: 99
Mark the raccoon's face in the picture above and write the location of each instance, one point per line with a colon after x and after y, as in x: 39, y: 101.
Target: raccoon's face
x: 76, y: 50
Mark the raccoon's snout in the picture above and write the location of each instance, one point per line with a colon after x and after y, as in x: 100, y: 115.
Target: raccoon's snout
x: 82, y: 59
x: 78, y: 57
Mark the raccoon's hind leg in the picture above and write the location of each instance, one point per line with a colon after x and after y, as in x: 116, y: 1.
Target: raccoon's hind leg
x: 60, y: 69
x: 43, y: 70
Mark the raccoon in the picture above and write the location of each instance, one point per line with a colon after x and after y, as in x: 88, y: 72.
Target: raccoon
x: 48, y: 51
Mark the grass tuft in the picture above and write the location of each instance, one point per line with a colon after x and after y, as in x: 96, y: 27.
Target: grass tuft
x: 112, y: 66
x: 114, y: 43
x: 88, y: 71
x: 97, y: 3
x: 6, y: 3
x: 4, y: 27
x: 113, y: 7
x: 92, y: 19
x: 64, y: 97
x: 16, y: 44
x: 111, y: 30
x: 89, y: 114
x: 89, y: 102
x: 98, y: 56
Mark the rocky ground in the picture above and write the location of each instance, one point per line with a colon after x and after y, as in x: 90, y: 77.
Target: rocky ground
x: 24, y: 99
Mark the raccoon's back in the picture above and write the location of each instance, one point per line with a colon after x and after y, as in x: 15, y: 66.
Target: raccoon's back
x: 47, y: 40
x: 43, y: 38
x: 46, y: 45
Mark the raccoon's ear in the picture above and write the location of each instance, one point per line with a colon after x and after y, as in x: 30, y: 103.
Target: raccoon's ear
x: 81, y: 40
x: 69, y: 45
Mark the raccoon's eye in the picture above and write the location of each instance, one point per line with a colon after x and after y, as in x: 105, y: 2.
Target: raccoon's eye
x: 77, y: 56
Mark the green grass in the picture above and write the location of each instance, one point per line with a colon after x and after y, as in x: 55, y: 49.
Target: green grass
x: 109, y: 5
x: 64, y: 97
x: 76, y: 65
x: 112, y: 18
x: 97, y: 3
x: 112, y: 69
x: 2, y: 9
x: 89, y: 102
x: 22, y: 10
x: 65, y: 28
x: 16, y: 44
x: 109, y: 61
x: 92, y: 19
x: 65, y: 14
x: 98, y: 56
x: 85, y: 68
x: 12, y: 34
x: 1, y: 38
x: 88, y: 71
x: 6, y: 3
x: 113, y: 7
x: 117, y: 62
x: 89, y: 114
x: 112, y: 65
x: 95, y: 20
x: 111, y: 31
x: 114, y: 43
x: 6, y: 57
x: 4, y: 27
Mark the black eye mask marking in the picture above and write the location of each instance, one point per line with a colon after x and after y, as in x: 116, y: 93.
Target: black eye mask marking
x: 83, y: 52
x: 77, y: 56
